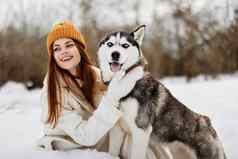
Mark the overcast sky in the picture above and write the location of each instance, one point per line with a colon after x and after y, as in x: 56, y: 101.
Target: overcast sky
x: 46, y: 12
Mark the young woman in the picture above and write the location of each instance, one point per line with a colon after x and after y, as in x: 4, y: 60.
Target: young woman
x: 72, y: 115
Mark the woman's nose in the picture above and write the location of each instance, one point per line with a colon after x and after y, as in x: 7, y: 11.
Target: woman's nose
x: 64, y: 50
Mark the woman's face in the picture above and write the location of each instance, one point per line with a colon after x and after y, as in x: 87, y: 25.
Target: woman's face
x: 66, y: 54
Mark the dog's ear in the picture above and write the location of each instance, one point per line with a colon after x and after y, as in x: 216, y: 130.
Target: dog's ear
x: 138, y: 34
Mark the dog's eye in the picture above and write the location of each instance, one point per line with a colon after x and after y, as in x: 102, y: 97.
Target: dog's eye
x: 110, y: 44
x: 125, y: 45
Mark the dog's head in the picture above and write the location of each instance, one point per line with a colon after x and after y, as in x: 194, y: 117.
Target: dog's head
x: 120, y: 50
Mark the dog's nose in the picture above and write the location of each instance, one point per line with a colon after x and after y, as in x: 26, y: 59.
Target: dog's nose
x: 115, y: 56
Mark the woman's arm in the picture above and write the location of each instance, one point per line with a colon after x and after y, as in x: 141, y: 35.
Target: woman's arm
x: 89, y: 132
x: 84, y: 132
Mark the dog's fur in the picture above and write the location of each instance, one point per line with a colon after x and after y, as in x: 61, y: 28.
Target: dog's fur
x: 151, y: 114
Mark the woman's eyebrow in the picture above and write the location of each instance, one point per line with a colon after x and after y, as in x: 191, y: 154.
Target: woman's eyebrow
x: 55, y: 45
x: 69, y: 41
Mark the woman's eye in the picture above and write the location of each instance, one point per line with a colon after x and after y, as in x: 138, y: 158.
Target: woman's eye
x: 70, y: 45
x: 56, y: 49
x: 110, y: 44
x: 125, y: 45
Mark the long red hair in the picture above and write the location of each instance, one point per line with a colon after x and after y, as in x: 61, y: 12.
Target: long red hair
x: 86, y: 74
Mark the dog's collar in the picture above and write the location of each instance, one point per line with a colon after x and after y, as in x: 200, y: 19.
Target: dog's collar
x: 133, y: 66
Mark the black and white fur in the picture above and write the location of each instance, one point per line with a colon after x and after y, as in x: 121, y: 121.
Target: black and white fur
x: 151, y: 114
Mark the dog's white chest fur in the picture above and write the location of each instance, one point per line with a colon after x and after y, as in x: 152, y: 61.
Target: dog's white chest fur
x: 129, y: 108
x: 133, y: 140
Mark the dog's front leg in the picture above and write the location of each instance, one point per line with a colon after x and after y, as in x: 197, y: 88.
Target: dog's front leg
x: 139, y: 142
x: 139, y: 138
x: 116, y: 139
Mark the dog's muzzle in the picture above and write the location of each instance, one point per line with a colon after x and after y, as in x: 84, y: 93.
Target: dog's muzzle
x: 115, y: 65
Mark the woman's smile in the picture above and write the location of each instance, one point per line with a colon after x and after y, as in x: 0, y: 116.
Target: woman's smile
x: 66, y: 58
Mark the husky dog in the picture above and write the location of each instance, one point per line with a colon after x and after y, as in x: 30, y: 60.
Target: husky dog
x: 151, y: 114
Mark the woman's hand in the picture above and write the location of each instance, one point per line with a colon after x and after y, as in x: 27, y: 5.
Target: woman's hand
x: 122, y: 84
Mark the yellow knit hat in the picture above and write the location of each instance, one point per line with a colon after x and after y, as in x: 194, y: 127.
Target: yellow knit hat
x: 64, y: 29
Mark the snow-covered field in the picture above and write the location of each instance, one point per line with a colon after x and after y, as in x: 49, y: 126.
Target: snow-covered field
x: 20, y: 113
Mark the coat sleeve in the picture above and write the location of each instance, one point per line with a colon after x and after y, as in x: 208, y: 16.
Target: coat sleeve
x: 89, y: 132
x: 44, y: 101
x: 84, y: 132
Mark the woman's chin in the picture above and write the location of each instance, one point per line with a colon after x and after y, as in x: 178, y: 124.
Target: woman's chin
x: 68, y: 67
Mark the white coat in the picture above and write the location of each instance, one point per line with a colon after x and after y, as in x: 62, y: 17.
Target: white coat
x: 76, y: 127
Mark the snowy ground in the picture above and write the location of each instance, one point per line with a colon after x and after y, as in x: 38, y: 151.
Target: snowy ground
x: 20, y: 113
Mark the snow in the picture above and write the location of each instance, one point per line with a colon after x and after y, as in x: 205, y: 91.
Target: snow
x: 20, y: 127
x: 20, y: 116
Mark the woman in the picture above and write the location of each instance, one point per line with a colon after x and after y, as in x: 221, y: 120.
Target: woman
x: 72, y: 115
